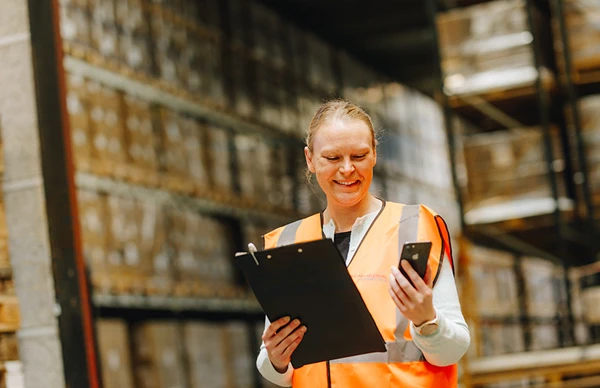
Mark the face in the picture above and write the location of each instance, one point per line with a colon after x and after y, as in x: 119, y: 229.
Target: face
x: 342, y: 159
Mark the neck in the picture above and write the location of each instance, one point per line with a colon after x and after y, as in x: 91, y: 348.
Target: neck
x: 345, y: 217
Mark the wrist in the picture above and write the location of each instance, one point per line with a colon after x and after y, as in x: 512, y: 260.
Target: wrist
x: 280, y: 369
x: 429, y: 327
x: 430, y: 317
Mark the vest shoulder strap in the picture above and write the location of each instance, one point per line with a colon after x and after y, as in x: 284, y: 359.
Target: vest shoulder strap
x: 442, y: 228
x: 306, y: 229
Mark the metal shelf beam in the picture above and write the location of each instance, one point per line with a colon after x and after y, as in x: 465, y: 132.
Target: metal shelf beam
x: 177, y: 304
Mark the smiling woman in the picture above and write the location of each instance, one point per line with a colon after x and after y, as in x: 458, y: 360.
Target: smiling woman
x: 420, y: 319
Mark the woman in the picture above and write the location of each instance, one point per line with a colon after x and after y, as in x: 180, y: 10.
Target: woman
x: 422, y: 325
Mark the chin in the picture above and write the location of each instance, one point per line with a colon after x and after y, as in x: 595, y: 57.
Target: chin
x: 350, y: 200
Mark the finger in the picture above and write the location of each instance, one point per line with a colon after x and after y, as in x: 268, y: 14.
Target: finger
x: 291, y: 338
x: 397, y: 290
x: 284, y: 332
x: 274, y: 328
x: 419, y: 284
x: 294, y: 344
x: 408, y: 288
x: 399, y: 303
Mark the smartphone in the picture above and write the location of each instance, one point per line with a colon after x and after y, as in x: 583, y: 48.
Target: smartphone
x: 417, y: 255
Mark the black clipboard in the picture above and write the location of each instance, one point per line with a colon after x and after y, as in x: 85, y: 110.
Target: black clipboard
x: 309, y: 281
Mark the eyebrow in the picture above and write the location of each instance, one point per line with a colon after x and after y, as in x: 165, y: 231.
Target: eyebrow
x: 357, y: 150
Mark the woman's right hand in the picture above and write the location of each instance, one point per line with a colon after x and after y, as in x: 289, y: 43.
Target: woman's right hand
x: 281, y: 339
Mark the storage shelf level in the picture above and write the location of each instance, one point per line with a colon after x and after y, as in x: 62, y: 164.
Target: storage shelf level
x: 108, y: 185
x: 172, y: 303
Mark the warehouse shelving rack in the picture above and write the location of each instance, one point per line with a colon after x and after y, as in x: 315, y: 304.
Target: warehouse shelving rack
x: 77, y: 305
x: 567, y: 235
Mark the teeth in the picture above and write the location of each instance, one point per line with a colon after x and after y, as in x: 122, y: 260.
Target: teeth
x: 347, y: 183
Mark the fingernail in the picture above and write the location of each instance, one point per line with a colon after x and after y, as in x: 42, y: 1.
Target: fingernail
x: 303, y: 329
x: 296, y: 321
x: 287, y: 319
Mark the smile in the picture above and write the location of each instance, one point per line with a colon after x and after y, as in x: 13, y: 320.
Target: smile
x: 346, y: 183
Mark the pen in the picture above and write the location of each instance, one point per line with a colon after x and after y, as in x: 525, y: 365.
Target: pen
x: 251, y: 250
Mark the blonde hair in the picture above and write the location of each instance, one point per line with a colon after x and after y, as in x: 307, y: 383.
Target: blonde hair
x: 338, y: 109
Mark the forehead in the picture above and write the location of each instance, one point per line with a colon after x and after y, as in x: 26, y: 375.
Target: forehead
x: 339, y: 134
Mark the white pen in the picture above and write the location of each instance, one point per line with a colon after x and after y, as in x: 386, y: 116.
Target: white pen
x: 251, y: 250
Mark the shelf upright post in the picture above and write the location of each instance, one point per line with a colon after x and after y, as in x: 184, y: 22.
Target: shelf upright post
x: 580, y: 177
x: 442, y: 99
x: 566, y: 331
x: 544, y: 111
x: 73, y: 309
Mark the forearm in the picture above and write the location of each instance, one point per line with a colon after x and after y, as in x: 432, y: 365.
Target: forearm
x: 450, y: 342
x: 447, y: 345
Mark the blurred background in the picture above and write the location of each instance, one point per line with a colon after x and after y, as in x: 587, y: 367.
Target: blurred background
x: 146, y: 141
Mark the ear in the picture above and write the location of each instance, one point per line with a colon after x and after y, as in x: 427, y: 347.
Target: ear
x: 309, y: 162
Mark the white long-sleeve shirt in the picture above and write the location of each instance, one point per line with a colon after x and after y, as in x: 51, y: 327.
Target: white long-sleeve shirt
x: 445, y: 347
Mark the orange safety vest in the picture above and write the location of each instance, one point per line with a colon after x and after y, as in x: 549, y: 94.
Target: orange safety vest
x: 403, y: 364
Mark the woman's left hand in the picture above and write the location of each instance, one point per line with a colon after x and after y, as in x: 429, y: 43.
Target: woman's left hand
x: 415, y: 303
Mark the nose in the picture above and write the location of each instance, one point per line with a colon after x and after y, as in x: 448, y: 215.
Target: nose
x: 347, y: 166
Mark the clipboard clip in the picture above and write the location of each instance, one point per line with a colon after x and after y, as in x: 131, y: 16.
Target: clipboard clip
x: 252, y: 249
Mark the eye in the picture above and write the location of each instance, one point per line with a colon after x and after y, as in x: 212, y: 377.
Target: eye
x: 358, y: 157
x: 332, y: 158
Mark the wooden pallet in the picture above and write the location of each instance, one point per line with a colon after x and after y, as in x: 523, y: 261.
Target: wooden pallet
x: 505, y: 94
x: 586, y: 71
x: 557, y: 367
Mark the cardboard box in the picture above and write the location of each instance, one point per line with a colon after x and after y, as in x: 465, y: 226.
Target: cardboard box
x: 94, y: 225
x: 205, y: 351
x: 194, y: 146
x: 240, y: 360
x: 128, y: 267
x: 108, y: 129
x: 219, y: 160
x: 158, y: 355
x: 78, y: 107
x: 260, y: 328
x: 104, y: 32
x: 494, y: 277
x: 244, y: 99
x: 487, y: 46
x: 267, y: 31
x: 545, y: 287
x: 543, y: 336
x: 581, y: 20
x: 115, y: 357
x: 508, y: 165
x: 74, y: 25
x: 154, y: 249
x: 142, y: 140
x: 169, y: 40
x: 500, y: 339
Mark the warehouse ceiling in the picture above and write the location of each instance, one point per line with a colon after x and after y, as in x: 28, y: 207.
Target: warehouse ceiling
x: 395, y: 37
